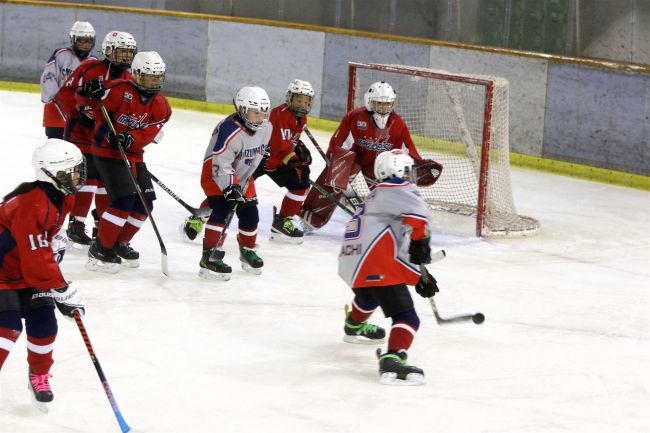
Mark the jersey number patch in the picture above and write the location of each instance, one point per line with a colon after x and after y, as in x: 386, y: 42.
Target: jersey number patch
x: 38, y: 241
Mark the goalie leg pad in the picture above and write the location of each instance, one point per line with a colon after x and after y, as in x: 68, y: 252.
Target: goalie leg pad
x: 317, y: 209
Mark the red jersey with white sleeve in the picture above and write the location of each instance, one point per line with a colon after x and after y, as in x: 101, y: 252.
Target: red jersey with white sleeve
x: 140, y: 115
x: 377, y: 238
x: 359, y: 133
x: 287, y: 128
x: 78, y: 109
x: 61, y: 64
x: 28, y: 223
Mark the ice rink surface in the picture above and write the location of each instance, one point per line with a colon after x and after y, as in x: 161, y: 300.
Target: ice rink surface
x: 565, y: 347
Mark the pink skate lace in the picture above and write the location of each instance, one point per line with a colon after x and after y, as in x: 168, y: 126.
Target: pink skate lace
x: 40, y: 382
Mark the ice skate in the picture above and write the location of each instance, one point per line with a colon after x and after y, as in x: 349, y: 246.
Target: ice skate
x: 191, y: 228
x: 40, y: 390
x: 362, y: 332
x: 96, y: 222
x: 130, y: 257
x: 393, y: 370
x: 102, y: 259
x: 213, y: 270
x: 250, y: 261
x: 283, y: 229
x: 77, y: 234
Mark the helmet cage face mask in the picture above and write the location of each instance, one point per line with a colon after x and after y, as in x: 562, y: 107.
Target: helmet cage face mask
x: 119, y: 48
x: 69, y: 181
x: 379, y: 100
x: 253, y: 107
x: 300, y: 106
x: 82, y: 38
x: 148, y: 71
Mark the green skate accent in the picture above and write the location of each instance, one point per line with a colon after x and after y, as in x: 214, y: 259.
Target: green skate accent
x: 396, y: 357
x: 363, y: 328
x: 288, y: 225
x: 195, y: 223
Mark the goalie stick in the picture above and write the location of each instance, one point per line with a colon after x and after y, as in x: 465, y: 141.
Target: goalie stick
x: 477, y: 318
x: 163, y: 250
x: 201, y: 212
x: 354, y: 200
x: 107, y: 389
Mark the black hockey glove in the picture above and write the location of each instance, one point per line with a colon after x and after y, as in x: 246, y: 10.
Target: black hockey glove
x: 234, y: 196
x: 420, y: 251
x: 300, y: 162
x: 302, y: 152
x: 93, y: 89
x: 429, y: 288
x: 123, y: 139
x: 68, y: 299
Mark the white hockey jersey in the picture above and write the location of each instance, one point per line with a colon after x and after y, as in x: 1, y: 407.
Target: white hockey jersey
x: 376, y: 240
x: 58, y: 68
x: 233, y: 154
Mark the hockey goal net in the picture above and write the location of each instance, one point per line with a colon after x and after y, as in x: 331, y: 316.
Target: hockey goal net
x: 461, y: 121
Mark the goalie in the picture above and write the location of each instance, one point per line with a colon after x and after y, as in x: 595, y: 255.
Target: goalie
x: 363, y: 134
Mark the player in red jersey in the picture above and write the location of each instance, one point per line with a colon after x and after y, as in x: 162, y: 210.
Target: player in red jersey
x: 59, y: 67
x: 138, y: 111
x: 74, y: 99
x: 363, y: 134
x: 30, y: 279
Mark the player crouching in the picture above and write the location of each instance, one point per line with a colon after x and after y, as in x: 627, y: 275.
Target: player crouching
x: 374, y: 263
x: 237, y: 147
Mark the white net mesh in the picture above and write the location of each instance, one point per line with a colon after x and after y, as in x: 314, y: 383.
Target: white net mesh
x: 446, y: 114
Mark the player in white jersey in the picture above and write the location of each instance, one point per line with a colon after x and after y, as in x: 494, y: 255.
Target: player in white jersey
x: 237, y: 147
x: 384, y: 243
x: 59, y: 67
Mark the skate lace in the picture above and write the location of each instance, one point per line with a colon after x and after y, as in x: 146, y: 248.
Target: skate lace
x: 366, y: 328
x: 397, y: 358
x: 288, y: 225
x: 40, y: 382
x: 249, y: 254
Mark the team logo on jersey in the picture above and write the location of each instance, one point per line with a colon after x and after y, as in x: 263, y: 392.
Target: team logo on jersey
x: 128, y: 97
x: 374, y: 145
x: 362, y: 124
x: 132, y: 122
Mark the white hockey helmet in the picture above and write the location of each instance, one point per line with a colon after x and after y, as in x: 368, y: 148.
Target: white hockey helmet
x: 252, y: 99
x: 80, y: 33
x: 393, y: 163
x: 122, y: 41
x: 148, y: 71
x: 60, y: 163
x: 379, y: 100
x: 299, y: 87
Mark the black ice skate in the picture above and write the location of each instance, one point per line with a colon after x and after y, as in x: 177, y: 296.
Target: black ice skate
x: 77, y: 234
x: 283, y: 229
x: 250, y: 261
x: 213, y: 270
x: 102, y: 259
x: 130, y: 257
x: 191, y: 228
x: 362, y: 332
x: 40, y: 390
x: 393, y: 370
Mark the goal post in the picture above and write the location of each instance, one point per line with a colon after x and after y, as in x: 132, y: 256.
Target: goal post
x: 461, y: 121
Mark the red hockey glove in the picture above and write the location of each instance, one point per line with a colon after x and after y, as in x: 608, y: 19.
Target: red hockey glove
x: 427, y: 172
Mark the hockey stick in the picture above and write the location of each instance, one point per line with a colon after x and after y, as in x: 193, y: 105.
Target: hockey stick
x: 477, y: 318
x: 218, y: 254
x: 163, y: 250
x: 353, y: 201
x: 333, y: 199
x: 201, y: 212
x: 107, y: 389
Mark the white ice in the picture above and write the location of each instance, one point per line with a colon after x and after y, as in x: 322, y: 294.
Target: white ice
x: 565, y: 347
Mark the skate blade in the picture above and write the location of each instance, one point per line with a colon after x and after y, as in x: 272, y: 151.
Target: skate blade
x: 354, y: 339
x: 74, y: 247
x: 99, y: 266
x: 279, y: 237
x: 42, y: 406
x: 183, y: 235
x: 251, y: 270
x: 412, y: 379
x: 130, y: 263
x: 207, y: 274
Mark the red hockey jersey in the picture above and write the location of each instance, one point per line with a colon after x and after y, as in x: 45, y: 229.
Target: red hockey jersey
x: 287, y: 128
x: 141, y: 117
x: 358, y: 133
x: 28, y: 222
x: 73, y: 105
